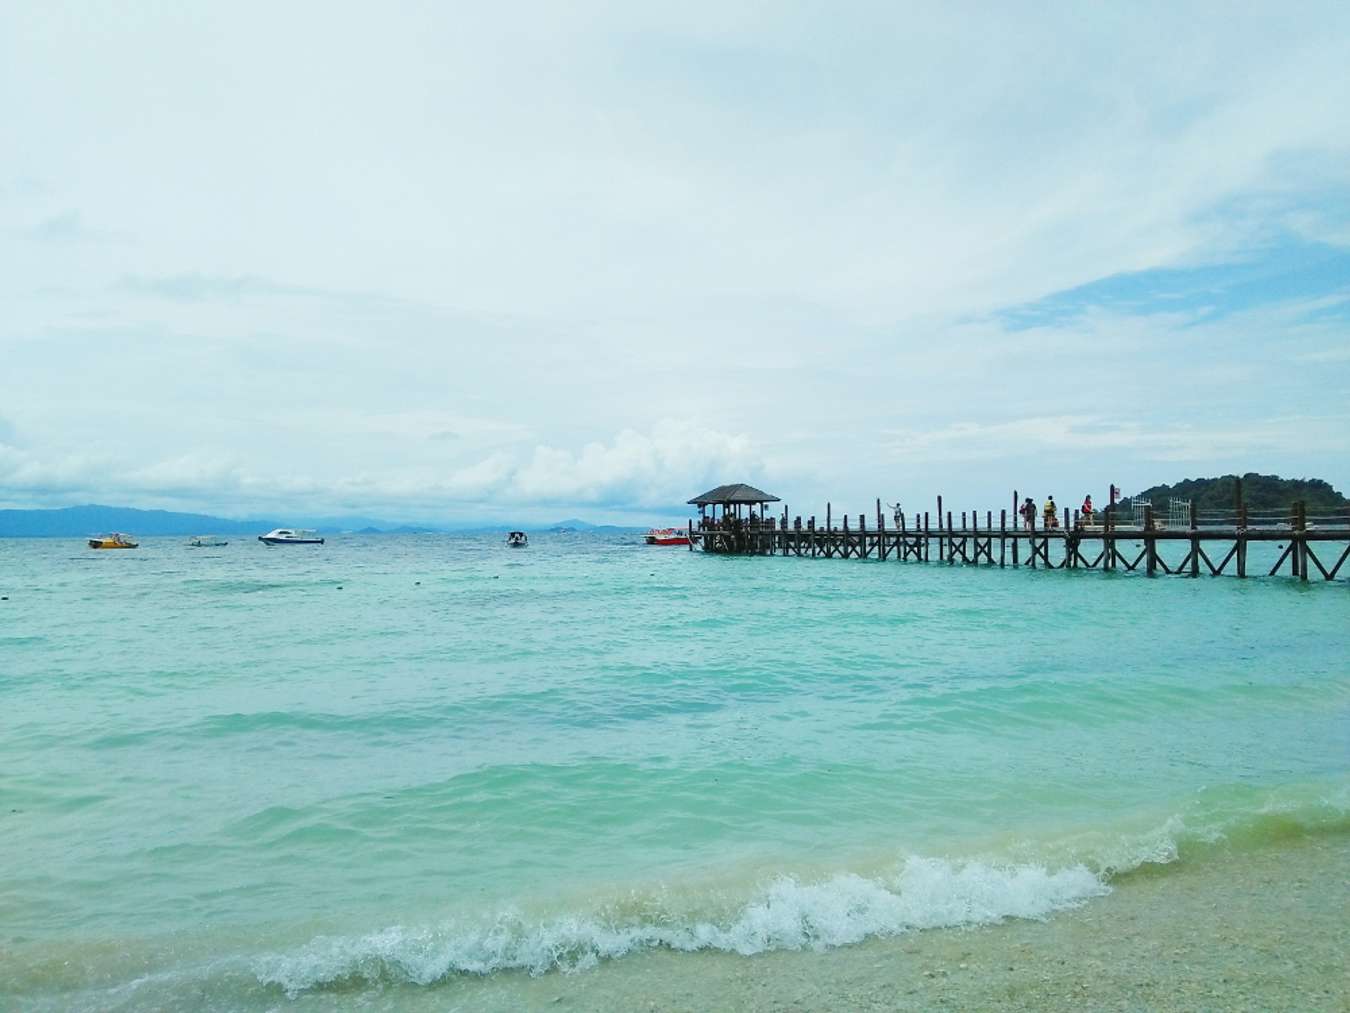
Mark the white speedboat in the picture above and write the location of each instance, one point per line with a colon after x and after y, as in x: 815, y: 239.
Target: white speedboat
x: 291, y: 536
x: 517, y: 540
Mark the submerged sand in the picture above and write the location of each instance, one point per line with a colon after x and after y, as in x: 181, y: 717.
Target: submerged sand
x: 1262, y: 930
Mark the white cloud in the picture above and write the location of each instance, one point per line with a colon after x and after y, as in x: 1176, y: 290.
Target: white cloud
x: 644, y: 471
x: 656, y: 469
x: 449, y: 259
x: 1339, y: 353
x: 1086, y: 434
x: 425, y: 424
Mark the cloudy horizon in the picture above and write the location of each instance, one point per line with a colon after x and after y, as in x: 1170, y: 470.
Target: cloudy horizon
x: 441, y: 265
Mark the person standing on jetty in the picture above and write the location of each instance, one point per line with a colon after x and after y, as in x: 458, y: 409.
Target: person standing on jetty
x: 1029, y: 513
x: 1051, y: 513
x: 1086, y: 512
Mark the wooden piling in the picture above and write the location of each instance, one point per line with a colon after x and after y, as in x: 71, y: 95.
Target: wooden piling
x: 1241, y: 535
x: 1195, y: 544
x: 1002, y: 538
x: 1108, y: 543
x: 1150, y: 545
x: 941, y: 557
x: 1293, y: 540
x: 1302, y: 533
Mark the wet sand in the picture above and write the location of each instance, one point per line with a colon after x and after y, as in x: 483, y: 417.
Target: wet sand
x: 1258, y: 930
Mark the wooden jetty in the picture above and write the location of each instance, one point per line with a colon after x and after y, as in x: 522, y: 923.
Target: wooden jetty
x: 736, y: 519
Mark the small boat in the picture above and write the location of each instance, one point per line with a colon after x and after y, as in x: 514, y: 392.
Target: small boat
x: 291, y: 536
x: 667, y: 536
x: 206, y: 542
x: 516, y: 540
x: 112, y: 540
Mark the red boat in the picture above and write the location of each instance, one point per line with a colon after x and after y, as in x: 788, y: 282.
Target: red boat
x: 667, y: 536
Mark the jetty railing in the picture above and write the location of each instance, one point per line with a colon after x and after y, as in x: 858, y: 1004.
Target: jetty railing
x: 1213, y: 542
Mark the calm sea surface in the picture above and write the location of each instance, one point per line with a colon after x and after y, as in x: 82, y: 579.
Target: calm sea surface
x: 396, y: 767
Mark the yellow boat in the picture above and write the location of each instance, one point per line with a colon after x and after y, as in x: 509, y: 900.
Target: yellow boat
x: 112, y: 541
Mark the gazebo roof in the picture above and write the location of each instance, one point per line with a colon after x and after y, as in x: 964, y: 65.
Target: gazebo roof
x: 738, y: 493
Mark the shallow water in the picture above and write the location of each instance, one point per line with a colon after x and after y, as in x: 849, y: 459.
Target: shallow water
x: 251, y: 776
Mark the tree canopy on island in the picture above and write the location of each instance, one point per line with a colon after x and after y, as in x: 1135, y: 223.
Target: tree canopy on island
x: 1261, y: 492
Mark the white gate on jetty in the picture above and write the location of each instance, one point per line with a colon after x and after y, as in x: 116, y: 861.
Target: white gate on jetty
x: 1138, y: 507
x: 1178, y: 513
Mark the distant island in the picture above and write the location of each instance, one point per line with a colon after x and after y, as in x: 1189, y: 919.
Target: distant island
x: 1260, y: 492
x: 81, y: 521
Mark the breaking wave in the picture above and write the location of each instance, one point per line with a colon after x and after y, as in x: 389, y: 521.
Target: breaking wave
x: 797, y: 913
x: 786, y: 915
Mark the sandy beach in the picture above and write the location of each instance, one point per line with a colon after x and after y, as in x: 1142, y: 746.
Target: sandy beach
x: 1263, y: 930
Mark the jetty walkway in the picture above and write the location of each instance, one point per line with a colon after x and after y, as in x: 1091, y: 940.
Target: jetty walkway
x: 1192, y: 544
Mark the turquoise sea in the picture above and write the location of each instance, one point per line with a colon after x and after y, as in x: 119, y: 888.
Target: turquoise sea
x: 398, y: 771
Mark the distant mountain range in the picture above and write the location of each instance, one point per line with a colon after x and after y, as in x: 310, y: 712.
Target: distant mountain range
x: 81, y: 521
x: 582, y: 527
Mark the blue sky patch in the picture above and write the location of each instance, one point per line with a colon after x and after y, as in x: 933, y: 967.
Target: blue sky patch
x: 1292, y: 269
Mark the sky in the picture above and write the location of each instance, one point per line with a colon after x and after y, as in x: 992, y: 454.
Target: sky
x: 445, y: 263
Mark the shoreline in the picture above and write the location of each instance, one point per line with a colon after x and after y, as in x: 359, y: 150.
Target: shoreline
x: 1258, y: 930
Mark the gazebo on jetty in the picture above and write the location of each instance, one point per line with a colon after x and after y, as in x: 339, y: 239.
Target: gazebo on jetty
x: 738, y: 503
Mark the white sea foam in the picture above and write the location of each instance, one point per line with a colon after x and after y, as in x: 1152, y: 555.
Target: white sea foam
x: 794, y: 913
x: 787, y: 915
